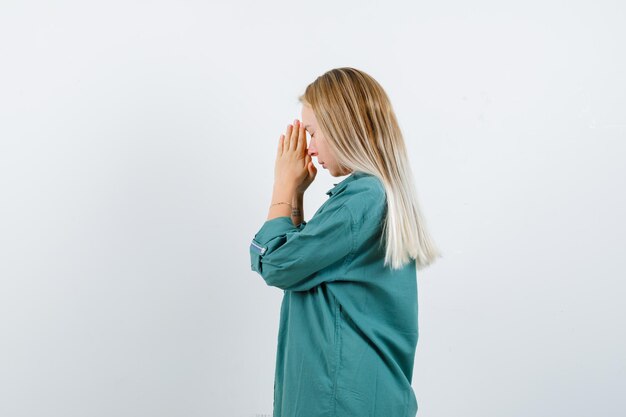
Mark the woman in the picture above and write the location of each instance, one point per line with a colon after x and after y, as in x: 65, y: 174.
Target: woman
x: 348, y: 323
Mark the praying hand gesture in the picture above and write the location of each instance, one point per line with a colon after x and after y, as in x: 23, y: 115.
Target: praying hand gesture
x: 294, y: 169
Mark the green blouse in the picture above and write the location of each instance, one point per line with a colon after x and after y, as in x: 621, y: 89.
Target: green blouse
x: 348, y: 325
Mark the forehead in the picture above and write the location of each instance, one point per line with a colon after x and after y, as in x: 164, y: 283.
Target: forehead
x: 308, y: 120
x: 308, y: 116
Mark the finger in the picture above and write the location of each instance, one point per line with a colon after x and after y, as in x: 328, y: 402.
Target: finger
x: 301, y: 146
x: 294, y: 136
x: 279, y: 151
x: 287, y: 137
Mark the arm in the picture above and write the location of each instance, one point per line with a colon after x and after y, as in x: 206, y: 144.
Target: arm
x: 290, y: 257
x: 281, y: 194
x: 297, y: 212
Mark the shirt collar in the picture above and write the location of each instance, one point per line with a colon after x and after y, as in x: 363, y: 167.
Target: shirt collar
x: 341, y: 185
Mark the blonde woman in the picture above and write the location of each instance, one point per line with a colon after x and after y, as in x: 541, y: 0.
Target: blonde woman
x: 348, y: 322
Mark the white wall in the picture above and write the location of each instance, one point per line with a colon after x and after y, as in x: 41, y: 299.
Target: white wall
x: 137, y: 143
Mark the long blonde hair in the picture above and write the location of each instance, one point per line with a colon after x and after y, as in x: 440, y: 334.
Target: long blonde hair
x: 359, y: 124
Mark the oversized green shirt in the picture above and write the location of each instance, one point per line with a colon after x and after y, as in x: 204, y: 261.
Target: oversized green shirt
x: 348, y: 325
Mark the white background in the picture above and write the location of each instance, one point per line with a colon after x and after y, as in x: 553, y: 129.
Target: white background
x: 137, y: 145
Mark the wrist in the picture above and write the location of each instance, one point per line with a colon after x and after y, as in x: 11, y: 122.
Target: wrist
x: 297, y: 208
x: 283, y: 193
x: 296, y: 204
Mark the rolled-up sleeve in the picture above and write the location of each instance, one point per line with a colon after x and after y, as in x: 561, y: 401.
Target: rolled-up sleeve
x: 289, y: 257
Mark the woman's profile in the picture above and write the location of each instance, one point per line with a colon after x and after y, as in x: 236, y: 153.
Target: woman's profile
x: 349, y: 318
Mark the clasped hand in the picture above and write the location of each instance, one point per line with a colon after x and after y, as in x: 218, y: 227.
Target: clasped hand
x: 294, y: 168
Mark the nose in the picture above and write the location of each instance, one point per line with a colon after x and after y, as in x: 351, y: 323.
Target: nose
x: 311, y: 150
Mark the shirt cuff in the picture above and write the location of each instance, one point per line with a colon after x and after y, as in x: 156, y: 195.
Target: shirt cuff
x: 262, y: 241
x: 274, y: 227
x: 278, y: 226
